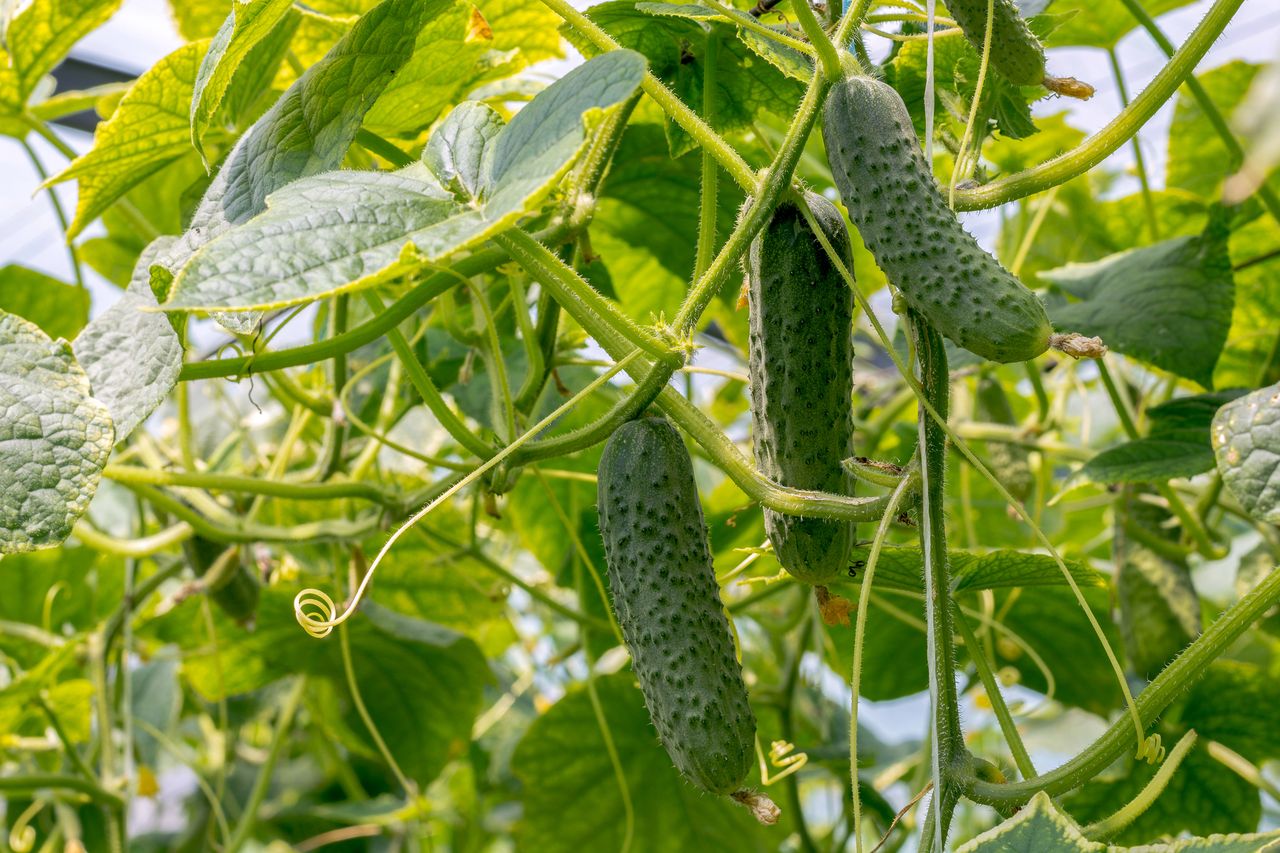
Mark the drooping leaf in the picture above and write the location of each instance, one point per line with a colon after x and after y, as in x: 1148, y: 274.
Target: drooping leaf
x: 1168, y: 304
x: 1159, y: 608
x: 248, y: 25
x: 54, y: 438
x: 58, y: 308
x: 131, y: 355
x: 36, y: 40
x: 562, y: 758
x: 393, y: 222
x: 1246, y: 442
x: 148, y: 130
x: 903, y: 567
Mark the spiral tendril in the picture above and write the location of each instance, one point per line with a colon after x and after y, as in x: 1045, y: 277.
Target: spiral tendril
x: 314, y: 609
x: 1151, y: 750
x: 782, y: 756
x: 22, y: 835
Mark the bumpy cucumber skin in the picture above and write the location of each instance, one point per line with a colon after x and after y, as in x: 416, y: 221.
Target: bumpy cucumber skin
x: 916, y: 239
x: 1015, y: 50
x: 668, y: 605
x: 801, y: 363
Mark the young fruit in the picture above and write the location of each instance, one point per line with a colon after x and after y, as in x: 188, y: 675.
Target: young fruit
x: 223, y: 577
x: 668, y: 605
x: 924, y: 251
x: 1009, y: 462
x: 801, y: 363
x: 1014, y: 48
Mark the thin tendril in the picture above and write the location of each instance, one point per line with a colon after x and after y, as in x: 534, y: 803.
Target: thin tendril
x: 315, y: 610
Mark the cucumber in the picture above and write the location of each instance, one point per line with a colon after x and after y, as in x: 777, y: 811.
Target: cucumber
x: 1015, y: 50
x: 668, y: 605
x: 801, y: 364
x: 916, y: 239
x: 229, y: 585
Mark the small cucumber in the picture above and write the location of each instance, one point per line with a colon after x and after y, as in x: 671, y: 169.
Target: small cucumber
x: 668, y: 605
x: 916, y: 239
x: 1015, y: 50
x: 227, y: 582
x: 1009, y: 462
x: 801, y: 364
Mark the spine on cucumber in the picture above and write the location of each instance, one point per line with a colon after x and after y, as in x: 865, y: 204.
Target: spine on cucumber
x: 801, y: 364
x: 1015, y: 50
x: 668, y: 605
x: 915, y: 237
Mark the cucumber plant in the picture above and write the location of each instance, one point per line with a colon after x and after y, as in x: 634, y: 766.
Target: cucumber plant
x: 386, y: 463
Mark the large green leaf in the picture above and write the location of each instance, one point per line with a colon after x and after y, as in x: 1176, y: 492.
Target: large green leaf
x: 249, y: 24
x: 36, y: 40
x: 132, y: 355
x: 148, y: 130
x: 54, y: 438
x: 1098, y: 23
x: 1176, y: 445
x: 1038, y: 827
x: 1251, y: 356
x: 1198, y: 159
x: 58, y: 308
x: 563, y: 759
x: 1168, y: 304
x: 1246, y: 441
x: 747, y: 85
x: 461, y: 148
x: 345, y: 230
x: 422, y: 683
x: 305, y: 132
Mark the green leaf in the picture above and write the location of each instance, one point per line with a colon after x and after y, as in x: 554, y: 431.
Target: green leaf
x: 250, y: 22
x: 422, y: 684
x: 54, y: 438
x: 1168, y: 304
x: 68, y: 587
x: 1251, y: 356
x: 1038, y: 827
x: 1159, y: 608
x: 199, y: 19
x: 1246, y: 442
x: 1198, y: 159
x: 147, y: 131
x: 1099, y: 23
x: 132, y: 355
x: 390, y: 223
x: 58, y: 308
x: 563, y: 759
x: 788, y: 60
x: 155, y: 699
x: 69, y: 700
x: 36, y: 40
x: 902, y: 568
x: 459, y: 149
x: 748, y: 85
x: 1149, y: 460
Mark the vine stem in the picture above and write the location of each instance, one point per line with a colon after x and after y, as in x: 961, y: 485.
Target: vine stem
x: 1105, y: 142
x: 58, y: 212
x: 859, y: 636
x: 948, y: 739
x: 978, y: 654
x: 284, y: 722
x: 1172, y: 681
x: 1148, y: 201
x: 1131, y: 810
x: 131, y: 475
x: 827, y: 56
x: 1211, y: 112
x: 710, y: 179
x: 30, y: 783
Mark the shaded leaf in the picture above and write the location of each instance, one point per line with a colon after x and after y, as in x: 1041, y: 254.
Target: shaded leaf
x: 562, y: 758
x: 1168, y: 304
x: 58, y: 308
x: 1198, y: 159
x: 54, y: 438
x: 148, y: 130
x: 1149, y: 460
x: 1038, y: 826
x: 903, y: 567
x: 132, y: 355
x: 1246, y: 441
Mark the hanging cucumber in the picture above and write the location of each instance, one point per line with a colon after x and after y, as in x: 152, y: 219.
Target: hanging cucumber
x: 801, y: 364
x: 221, y: 575
x: 916, y: 239
x: 1015, y: 50
x: 668, y: 606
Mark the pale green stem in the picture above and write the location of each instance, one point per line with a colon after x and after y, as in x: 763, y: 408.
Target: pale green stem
x: 979, y: 655
x: 1153, y: 220
x: 262, y: 784
x: 1133, y: 809
x: 818, y: 38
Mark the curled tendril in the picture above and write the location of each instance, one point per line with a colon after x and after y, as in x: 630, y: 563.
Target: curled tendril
x: 22, y: 835
x: 315, y: 610
x: 782, y: 756
x: 1151, y: 750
